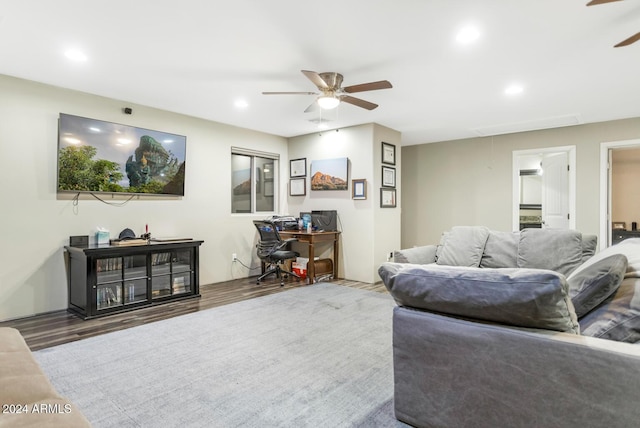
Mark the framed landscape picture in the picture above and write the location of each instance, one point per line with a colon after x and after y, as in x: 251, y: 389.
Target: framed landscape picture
x: 330, y: 174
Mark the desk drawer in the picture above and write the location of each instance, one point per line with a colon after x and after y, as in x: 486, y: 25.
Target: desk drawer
x: 323, y: 267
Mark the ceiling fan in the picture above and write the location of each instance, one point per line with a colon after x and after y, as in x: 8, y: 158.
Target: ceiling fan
x: 625, y: 42
x: 332, y: 93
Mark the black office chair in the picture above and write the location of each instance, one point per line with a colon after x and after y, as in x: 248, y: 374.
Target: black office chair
x: 272, y: 250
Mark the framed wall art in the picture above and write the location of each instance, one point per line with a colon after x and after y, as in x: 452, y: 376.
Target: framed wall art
x: 298, y: 167
x: 388, y: 153
x: 298, y: 187
x: 359, y: 188
x: 330, y: 174
x: 387, y: 198
x: 388, y: 177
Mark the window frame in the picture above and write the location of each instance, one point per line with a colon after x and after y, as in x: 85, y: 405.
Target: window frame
x: 257, y: 180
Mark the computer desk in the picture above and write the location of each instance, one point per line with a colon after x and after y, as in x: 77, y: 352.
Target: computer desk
x: 311, y: 239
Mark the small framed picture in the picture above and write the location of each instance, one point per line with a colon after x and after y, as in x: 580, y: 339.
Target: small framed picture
x: 388, y: 153
x: 359, y: 188
x: 298, y: 187
x: 387, y: 198
x: 298, y: 167
x: 388, y: 177
x: 619, y: 225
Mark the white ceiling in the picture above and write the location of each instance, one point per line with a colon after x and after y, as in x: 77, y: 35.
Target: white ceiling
x: 197, y: 57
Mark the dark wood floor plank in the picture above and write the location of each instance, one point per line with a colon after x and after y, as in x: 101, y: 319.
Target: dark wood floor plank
x: 55, y: 328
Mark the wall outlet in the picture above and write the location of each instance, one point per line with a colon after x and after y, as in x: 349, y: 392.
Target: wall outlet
x: 234, y: 257
x: 390, y: 256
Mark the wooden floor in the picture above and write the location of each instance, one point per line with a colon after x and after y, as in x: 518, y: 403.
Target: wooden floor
x: 55, y: 328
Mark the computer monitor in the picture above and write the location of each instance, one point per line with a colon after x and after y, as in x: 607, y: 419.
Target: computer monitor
x: 325, y: 220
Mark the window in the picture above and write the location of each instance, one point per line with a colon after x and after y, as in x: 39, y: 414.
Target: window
x: 253, y: 181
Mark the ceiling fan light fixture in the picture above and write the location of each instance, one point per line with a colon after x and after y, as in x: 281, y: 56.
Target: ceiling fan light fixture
x: 327, y: 102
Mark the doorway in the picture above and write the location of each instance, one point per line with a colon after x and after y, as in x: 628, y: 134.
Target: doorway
x: 544, y: 188
x: 610, y: 211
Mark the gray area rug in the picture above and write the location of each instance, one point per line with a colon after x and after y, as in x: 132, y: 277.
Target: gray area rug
x: 316, y: 356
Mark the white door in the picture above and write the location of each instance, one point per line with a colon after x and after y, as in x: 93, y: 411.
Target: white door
x: 555, y: 191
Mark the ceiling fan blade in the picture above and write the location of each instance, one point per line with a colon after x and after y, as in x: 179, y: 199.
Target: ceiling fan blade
x: 628, y: 41
x: 316, y: 79
x: 372, y: 86
x: 597, y: 2
x: 312, y: 107
x: 289, y: 93
x: 358, y: 102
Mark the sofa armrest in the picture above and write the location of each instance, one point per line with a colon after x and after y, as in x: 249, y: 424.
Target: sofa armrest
x: 416, y: 255
x: 24, y: 385
x: 455, y: 372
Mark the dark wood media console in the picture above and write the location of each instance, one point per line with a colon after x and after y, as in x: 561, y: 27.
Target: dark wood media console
x: 107, y: 279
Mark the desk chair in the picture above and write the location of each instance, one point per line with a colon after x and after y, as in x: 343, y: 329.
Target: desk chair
x: 271, y: 249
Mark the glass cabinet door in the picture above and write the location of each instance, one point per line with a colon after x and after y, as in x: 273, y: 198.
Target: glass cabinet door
x: 160, y: 275
x: 109, y: 282
x: 121, y: 281
x: 181, y: 270
x: 171, y: 273
x: 135, y: 278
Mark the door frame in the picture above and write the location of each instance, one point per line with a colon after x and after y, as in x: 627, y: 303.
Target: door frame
x: 605, y: 196
x: 515, y: 203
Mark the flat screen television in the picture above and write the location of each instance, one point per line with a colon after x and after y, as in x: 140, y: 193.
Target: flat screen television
x: 96, y: 156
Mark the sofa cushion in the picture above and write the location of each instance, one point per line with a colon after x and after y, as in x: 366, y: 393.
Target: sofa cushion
x: 589, y: 246
x: 590, y: 286
x: 531, y: 298
x: 558, y: 250
x: 630, y: 248
x: 463, y: 246
x: 501, y: 250
x: 418, y: 255
x: 618, y: 317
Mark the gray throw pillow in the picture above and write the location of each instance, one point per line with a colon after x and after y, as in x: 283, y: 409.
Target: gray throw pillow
x: 589, y: 245
x: 629, y: 247
x: 463, y: 246
x: 618, y: 317
x: 591, y: 286
x: 532, y: 298
x: 501, y: 250
x: 419, y: 255
x: 559, y: 250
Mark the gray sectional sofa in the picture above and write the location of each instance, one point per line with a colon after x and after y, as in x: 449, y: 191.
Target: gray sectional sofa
x: 522, y: 329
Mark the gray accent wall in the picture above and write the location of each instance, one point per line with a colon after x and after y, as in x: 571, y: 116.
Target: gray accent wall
x: 468, y: 182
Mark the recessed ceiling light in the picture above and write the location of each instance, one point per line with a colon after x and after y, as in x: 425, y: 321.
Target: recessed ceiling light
x: 514, y: 89
x: 241, y: 104
x: 468, y: 35
x: 75, y: 55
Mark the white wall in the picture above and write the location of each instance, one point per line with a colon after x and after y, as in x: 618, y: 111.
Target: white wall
x: 367, y: 232
x: 36, y: 224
